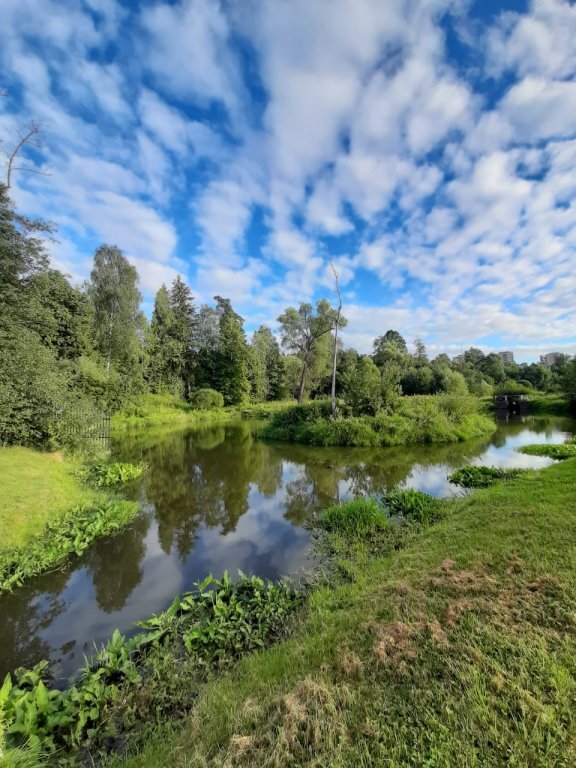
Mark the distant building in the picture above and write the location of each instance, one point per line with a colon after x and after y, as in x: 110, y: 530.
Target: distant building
x: 550, y: 359
x: 506, y: 357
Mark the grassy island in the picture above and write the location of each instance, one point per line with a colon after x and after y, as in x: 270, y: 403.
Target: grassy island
x: 416, y: 419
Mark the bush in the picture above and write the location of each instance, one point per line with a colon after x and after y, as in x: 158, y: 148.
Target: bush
x: 353, y: 432
x: 363, y: 388
x: 511, y: 387
x: 207, y: 399
x: 482, y: 477
x: 102, y: 475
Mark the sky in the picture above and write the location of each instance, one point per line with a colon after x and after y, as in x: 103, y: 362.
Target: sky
x: 427, y: 147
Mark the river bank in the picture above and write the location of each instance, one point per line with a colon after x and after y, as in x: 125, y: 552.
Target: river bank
x: 456, y: 650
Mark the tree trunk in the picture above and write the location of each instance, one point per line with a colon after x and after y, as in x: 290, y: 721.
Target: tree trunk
x: 302, y: 383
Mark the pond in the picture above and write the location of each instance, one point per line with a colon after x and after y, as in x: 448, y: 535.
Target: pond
x: 218, y: 498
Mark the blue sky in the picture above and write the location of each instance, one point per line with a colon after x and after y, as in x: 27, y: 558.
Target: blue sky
x: 428, y: 147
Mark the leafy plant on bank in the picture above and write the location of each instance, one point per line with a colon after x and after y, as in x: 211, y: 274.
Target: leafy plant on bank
x: 413, y: 506
x: 213, y: 625
x: 559, y: 452
x: 102, y: 475
x: 482, y: 477
x: 61, y: 538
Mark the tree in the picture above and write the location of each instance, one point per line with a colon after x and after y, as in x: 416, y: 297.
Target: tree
x: 162, y: 354
x: 337, y: 325
x: 182, y: 331
x: 363, y: 388
x: 269, y: 368
x: 116, y: 301
x: 302, y: 330
x: 232, y: 360
x: 391, y: 347
x: 206, y: 341
x: 420, y: 354
x: 30, y: 136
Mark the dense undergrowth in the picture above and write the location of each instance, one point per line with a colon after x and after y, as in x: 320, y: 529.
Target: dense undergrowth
x: 113, y: 473
x: 417, y: 419
x: 68, y: 535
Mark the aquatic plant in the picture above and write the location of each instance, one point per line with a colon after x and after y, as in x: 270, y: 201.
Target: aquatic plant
x: 482, y: 477
x: 68, y: 535
x: 102, y: 475
x: 561, y: 451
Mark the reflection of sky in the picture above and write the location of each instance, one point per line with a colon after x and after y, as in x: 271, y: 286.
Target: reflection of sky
x: 61, y: 614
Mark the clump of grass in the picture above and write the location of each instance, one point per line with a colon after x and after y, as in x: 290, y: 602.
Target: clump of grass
x: 559, y: 452
x: 103, y: 475
x: 413, y: 506
x: 356, y: 517
x: 61, y: 538
x: 481, y: 477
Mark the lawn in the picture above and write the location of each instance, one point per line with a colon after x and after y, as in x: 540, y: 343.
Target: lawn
x: 458, y: 650
x: 35, y: 488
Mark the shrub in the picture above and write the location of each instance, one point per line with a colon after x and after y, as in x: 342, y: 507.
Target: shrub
x: 352, y: 432
x: 356, y: 517
x: 512, y: 387
x: 562, y: 451
x: 207, y: 399
x: 363, y: 388
x: 482, y: 477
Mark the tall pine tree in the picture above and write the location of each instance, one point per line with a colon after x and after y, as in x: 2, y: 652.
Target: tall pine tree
x: 182, y: 332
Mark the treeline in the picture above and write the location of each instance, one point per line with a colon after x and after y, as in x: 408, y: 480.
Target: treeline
x: 67, y: 350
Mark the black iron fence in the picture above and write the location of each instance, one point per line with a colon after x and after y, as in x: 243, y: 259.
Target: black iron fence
x: 82, y: 423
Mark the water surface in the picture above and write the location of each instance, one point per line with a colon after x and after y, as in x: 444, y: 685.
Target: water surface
x: 217, y: 498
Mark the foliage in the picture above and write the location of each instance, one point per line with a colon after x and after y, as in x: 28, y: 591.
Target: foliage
x: 413, y: 506
x: 363, y: 388
x: 511, y: 387
x: 562, y: 451
x: 232, y: 356
x: 302, y: 329
x: 207, y: 399
x: 481, y: 477
x: 441, y: 418
x: 213, y: 625
x: 102, y: 475
x: 68, y: 535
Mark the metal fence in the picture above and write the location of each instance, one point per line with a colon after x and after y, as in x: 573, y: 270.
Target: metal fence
x: 86, y: 424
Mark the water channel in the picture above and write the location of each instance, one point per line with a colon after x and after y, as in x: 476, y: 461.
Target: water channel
x: 218, y: 498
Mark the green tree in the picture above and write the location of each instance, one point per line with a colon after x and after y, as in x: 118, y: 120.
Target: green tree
x: 390, y: 348
x: 162, y: 372
x: 182, y: 332
x: 232, y: 358
x: 363, y: 388
x: 302, y: 329
x: 267, y: 350
x: 420, y: 354
x: 115, y: 298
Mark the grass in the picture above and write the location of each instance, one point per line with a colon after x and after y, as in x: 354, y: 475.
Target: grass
x: 456, y: 650
x: 550, y: 404
x: 561, y: 451
x: 162, y: 410
x: 37, y: 488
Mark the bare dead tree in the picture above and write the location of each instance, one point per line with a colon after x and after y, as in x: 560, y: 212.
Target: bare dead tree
x: 335, y: 356
x: 30, y: 136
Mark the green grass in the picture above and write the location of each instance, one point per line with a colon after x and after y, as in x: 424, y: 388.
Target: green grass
x: 162, y: 410
x: 561, y: 451
x: 552, y: 404
x: 36, y: 488
x: 457, y: 650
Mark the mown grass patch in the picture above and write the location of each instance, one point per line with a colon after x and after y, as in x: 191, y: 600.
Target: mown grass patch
x: 473, y: 476
x: 69, y: 534
x: 558, y: 452
x: 36, y: 488
x: 456, y: 650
